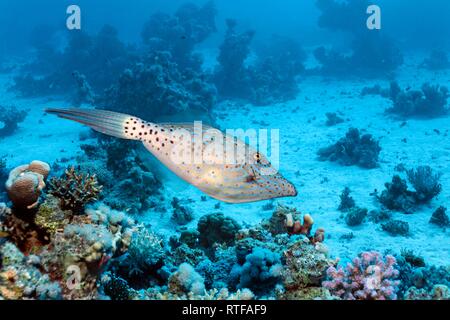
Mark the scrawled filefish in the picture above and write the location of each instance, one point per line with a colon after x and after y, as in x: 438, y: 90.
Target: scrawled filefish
x: 195, y: 156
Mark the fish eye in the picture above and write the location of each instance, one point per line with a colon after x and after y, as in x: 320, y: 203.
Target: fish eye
x: 257, y: 157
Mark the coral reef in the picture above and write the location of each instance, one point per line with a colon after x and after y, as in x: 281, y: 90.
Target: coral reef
x: 271, y: 78
x: 128, y: 184
x: 194, y: 24
x: 396, y: 227
x: 370, y: 276
x: 99, y: 58
x: 186, y: 280
x: 216, y: 228
x: 438, y: 60
x: 10, y: 117
x: 84, y: 92
x: 346, y: 200
x: 305, y: 269
x: 346, y: 16
x: 438, y: 292
x: 440, y: 217
x: 355, y: 216
x: 333, y: 119
x: 20, y: 277
x: 260, y: 272
x: 25, y: 183
x: 419, y: 280
x: 398, y: 197
x: 287, y: 220
x: 156, y: 82
x: 232, y: 76
x: 429, y: 102
x: 181, y: 213
x: 75, y: 190
x: 353, y: 149
x: 425, y: 182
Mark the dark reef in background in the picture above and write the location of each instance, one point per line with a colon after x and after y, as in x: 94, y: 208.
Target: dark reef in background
x: 272, y: 76
x: 373, y: 54
x: 99, y: 58
x: 10, y: 117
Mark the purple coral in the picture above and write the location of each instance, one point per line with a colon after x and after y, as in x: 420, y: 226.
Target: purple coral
x: 368, y: 277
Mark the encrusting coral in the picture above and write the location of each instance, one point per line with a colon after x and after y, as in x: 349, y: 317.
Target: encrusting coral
x: 25, y: 183
x: 306, y: 267
x: 20, y: 277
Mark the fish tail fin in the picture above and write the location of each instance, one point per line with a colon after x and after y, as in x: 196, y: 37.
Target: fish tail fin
x: 114, y: 124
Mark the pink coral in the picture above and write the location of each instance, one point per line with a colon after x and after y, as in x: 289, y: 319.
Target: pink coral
x: 369, y: 277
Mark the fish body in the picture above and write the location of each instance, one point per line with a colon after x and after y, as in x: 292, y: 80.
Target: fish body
x: 221, y: 166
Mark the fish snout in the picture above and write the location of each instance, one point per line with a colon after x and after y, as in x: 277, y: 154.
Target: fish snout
x: 291, y: 190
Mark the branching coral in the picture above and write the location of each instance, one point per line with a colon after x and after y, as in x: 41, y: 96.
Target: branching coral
x: 75, y: 189
x: 353, y: 149
x: 369, y: 277
x: 10, y: 117
x: 425, y: 182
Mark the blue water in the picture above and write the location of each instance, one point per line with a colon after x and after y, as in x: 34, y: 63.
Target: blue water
x: 352, y: 100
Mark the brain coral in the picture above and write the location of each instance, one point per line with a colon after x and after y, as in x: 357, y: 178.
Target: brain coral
x: 25, y: 183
